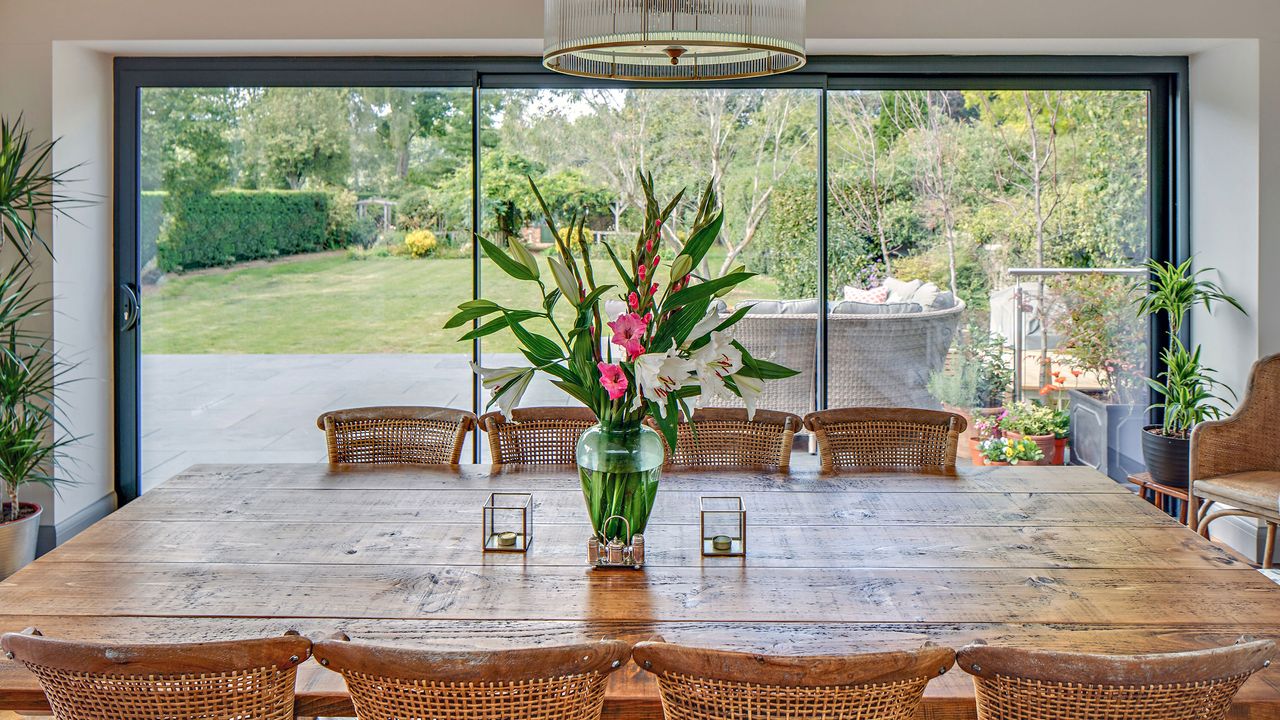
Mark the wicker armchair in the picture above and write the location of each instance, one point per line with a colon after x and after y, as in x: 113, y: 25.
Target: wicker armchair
x: 698, y: 684
x: 723, y: 437
x: 791, y: 341
x: 536, y: 435
x: 557, y: 683
x: 418, y: 435
x: 896, y: 438
x: 208, y: 681
x: 1236, y: 461
x: 1037, y: 685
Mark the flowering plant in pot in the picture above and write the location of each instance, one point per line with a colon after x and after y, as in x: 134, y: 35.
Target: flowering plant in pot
x: 1032, y: 421
x: 985, y: 427
x: 31, y: 438
x: 668, y: 349
x: 1186, y: 389
x: 1008, y: 451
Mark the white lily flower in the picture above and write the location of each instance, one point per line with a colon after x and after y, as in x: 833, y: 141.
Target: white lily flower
x: 508, y: 384
x: 750, y: 389
x: 704, y: 326
x: 565, y: 280
x: 714, y: 362
x: 660, y: 374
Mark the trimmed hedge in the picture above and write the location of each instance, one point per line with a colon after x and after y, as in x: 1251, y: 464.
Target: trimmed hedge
x: 230, y: 226
x: 150, y: 220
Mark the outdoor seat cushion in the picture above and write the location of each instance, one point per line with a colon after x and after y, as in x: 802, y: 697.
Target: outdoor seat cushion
x: 782, y: 307
x: 1255, y: 489
x: 852, y: 307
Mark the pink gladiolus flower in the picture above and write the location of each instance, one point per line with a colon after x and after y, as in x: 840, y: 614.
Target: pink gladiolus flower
x: 641, y: 272
x: 648, y: 246
x: 633, y: 301
x: 628, y: 333
x: 648, y: 318
x: 653, y: 289
x: 656, y: 259
x: 613, y: 380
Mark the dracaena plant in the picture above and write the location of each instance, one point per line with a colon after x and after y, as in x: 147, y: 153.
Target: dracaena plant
x: 668, y: 350
x: 1186, y: 387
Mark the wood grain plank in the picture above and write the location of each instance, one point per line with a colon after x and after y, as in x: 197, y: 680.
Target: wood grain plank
x: 452, y: 507
x: 306, y: 476
x: 667, y: 594
x: 668, y: 545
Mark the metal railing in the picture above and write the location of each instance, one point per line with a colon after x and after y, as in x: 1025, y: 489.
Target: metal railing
x: 1018, y: 337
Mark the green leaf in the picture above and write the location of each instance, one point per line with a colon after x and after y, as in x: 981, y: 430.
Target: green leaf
x: 703, y: 238
x: 725, y: 324
x: 706, y: 289
x: 593, y: 296
x: 622, y: 271
x: 575, y: 391
x: 678, y: 326
x: 544, y: 349
x: 761, y: 369
x: 471, y: 310
x: 499, y: 323
x: 669, y: 425
x: 511, y: 266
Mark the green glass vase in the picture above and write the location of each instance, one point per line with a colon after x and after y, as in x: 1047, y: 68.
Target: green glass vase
x: 619, y: 468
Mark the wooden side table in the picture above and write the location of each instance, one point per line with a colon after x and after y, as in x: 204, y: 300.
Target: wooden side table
x: 1162, y: 496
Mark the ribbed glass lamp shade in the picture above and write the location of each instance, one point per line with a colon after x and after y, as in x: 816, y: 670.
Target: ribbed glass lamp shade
x: 674, y: 39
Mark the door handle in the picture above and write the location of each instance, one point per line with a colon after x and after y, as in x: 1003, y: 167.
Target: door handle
x: 130, y: 308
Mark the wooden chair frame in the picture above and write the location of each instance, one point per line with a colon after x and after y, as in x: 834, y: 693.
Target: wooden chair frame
x: 536, y: 435
x: 1044, y: 685
x: 725, y: 438
x: 1243, y: 442
x: 419, y: 435
x: 242, y: 678
x: 886, y: 438
x: 553, y: 683
x: 703, y: 684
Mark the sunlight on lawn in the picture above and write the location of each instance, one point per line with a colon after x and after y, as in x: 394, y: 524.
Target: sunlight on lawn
x: 332, y: 304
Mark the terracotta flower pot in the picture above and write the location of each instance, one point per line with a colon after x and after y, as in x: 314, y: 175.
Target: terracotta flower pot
x: 1060, y: 451
x: 1045, y: 442
x: 995, y: 463
x: 975, y: 453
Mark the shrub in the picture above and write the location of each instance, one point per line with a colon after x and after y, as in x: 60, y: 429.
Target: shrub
x: 228, y: 226
x: 414, y: 210
x: 420, y: 243
x: 150, y: 219
x: 341, y: 221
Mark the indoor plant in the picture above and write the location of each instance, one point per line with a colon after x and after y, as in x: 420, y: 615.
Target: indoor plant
x: 1034, y: 422
x: 1010, y: 451
x: 1107, y: 345
x: 31, y: 438
x: 1184, y: 388
x: 669, y: 348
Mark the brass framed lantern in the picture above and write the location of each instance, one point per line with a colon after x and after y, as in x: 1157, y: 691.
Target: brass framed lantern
x: 672, y: 40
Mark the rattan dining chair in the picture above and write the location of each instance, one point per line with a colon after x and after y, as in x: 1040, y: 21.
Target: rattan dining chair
x: 725, y: 438
x: 699, y: 684
x: 209, y: 681
x: 1017, y: 684
x: 536, y: 435
x: 890, y: 438
x: 555, y: 683
x: 396, y: 434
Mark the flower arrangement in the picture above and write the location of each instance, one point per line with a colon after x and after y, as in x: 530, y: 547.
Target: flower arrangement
x: 670, y: 348
x: 1012, y: 452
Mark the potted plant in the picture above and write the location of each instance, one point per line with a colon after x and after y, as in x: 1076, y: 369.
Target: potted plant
x: 669, y: 348
x: 31, y: 439
x: 978, y: 381
x: 1034, y: 422
x: 1009, y: 451
x: 1107, y: 347
x: 985, y: 427
x: 1061, y: 421
x: 1185, y: 388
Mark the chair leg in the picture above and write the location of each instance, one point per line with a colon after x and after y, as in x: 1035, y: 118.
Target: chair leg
x: 1270, y: 547
x: 1193, y: 510
x: 1201, y: 526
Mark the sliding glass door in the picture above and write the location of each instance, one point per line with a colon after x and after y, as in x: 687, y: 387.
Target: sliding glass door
x: 297, y: 231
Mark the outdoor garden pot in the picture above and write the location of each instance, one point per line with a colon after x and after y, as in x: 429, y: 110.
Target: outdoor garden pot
x: 18, y: 540
x: 1046, y: 443
x: 975, y: 452
x: 1105, y: 435
x: 1168, y: 458
x: 1060, y: 450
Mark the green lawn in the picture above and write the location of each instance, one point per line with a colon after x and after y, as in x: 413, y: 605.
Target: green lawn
x: 330, y: 303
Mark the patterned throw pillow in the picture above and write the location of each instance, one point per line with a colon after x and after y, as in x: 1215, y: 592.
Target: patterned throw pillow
x: 875, y: 295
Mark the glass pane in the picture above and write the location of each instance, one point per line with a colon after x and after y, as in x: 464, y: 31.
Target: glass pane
x: 297, y: 256
x: 758, y: 148
x: 936, y: 196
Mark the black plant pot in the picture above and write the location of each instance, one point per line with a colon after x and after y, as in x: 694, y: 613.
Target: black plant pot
x: 1168, y: 458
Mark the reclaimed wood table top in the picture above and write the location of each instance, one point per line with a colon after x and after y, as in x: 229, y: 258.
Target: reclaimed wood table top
x: 1033, y: 556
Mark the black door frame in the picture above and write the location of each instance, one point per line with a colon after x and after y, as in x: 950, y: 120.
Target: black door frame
x: 1164, y: 77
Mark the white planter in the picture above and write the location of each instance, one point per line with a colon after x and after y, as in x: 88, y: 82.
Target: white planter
x: 18, y: 542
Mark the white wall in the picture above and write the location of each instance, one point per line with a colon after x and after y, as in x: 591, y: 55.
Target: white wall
x: 54, y: 60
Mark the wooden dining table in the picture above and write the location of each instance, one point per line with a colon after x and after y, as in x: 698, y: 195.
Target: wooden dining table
x: 1047, y: 557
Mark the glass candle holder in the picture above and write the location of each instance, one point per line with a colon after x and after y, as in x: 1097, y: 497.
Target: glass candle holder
x: 508, y: 522
x: 724, y: 526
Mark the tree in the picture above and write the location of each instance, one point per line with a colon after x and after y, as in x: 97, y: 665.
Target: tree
x: 300, y: 134
x: 186, y: 138
x: 862, y: 151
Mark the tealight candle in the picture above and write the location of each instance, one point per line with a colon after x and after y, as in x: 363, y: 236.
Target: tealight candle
x: 507, y: 539
x: 722, y: 542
